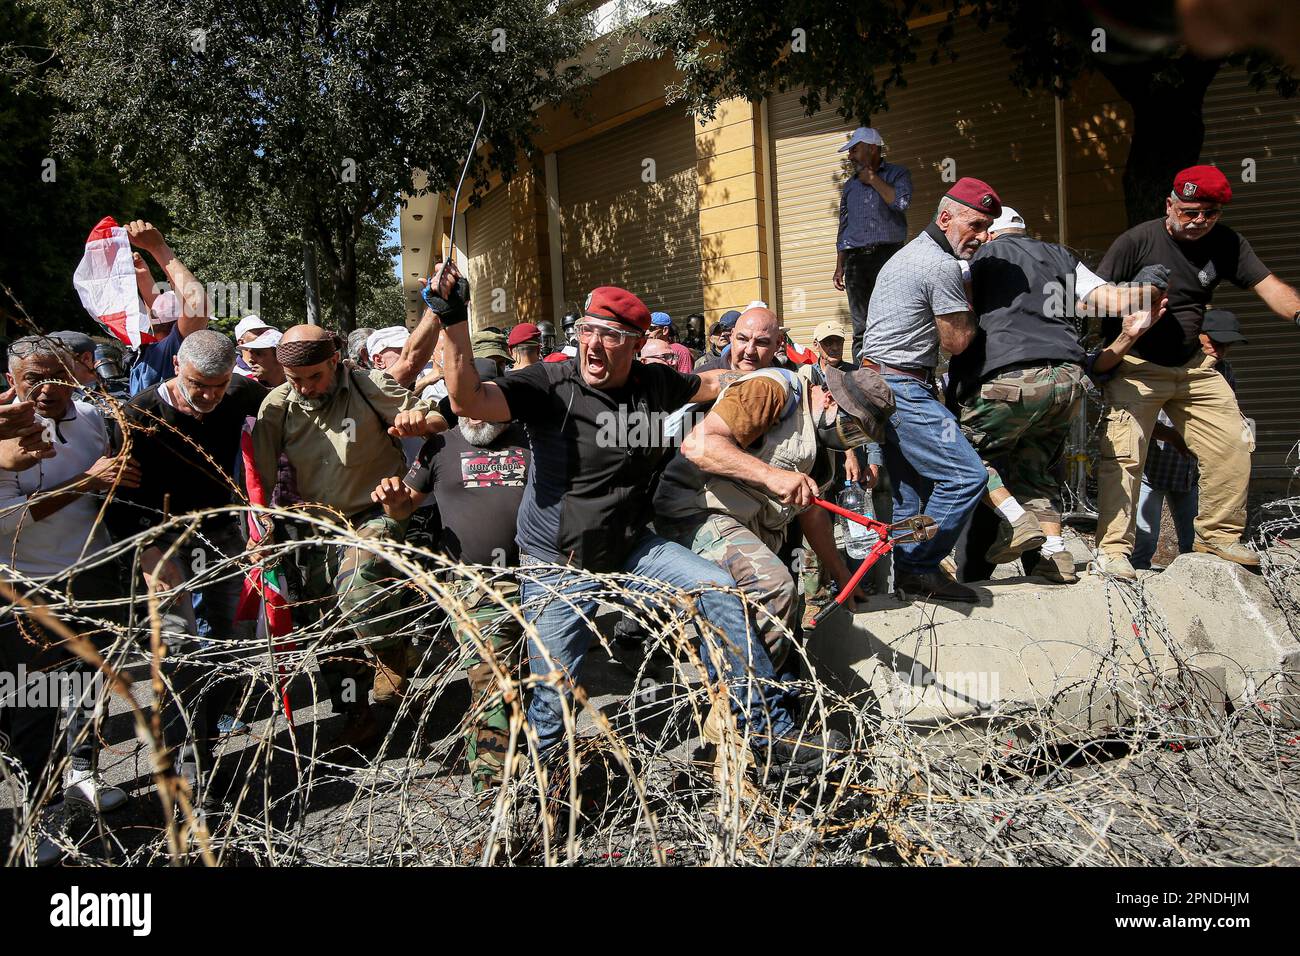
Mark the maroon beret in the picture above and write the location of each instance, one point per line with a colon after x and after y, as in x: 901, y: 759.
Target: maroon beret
x: 977, y: 194
x: 1202, y: 184
x: 618, y: 305
x: 524, y: 332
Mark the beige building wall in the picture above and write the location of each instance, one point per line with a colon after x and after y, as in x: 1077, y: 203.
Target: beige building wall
x: 733, y: 208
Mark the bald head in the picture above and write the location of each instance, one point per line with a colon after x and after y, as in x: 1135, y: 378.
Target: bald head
x: 305, y: 333
x: 755, y: 340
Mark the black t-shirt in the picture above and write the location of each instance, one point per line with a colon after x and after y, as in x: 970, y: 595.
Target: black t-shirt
x: 478, y: 490
x: 1014, y: 282
x: 173, y: 474
x: 1196, y: 270
x: 596, y: 456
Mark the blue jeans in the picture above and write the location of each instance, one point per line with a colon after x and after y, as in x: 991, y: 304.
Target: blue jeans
x: 553, y: 602
x: 1183, y: 505
x: 934, y: 471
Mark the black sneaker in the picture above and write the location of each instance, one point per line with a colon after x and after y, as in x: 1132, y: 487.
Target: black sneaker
x: 932, y: 586
x: 804, y: 757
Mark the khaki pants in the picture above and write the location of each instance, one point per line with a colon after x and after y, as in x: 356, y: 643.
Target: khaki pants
x: 1204, y: 411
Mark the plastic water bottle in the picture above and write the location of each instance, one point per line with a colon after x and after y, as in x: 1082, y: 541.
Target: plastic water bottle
x: 858, y: 539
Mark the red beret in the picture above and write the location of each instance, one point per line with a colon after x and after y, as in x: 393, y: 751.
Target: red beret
x: 1202, y: 184
x: 977, y: 194
x: 556, y: 357
x: 524, y: 332
x: 618, y: 305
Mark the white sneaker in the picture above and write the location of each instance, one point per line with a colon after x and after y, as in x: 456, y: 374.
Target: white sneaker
x: 83, y: 786
x: 1116, y: 565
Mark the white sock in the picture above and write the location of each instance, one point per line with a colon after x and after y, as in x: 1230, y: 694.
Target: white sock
x: 1054, y: 544
x: 1011, y: 510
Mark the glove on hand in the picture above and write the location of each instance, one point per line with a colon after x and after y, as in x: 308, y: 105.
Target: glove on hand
x: 452, y: 310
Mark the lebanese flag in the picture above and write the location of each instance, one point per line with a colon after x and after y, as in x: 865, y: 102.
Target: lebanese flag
x: 265, y: 596
x: 798, y: 355
x: 105, y: 281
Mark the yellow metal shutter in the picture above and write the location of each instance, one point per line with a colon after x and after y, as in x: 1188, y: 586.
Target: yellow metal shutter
x: 489, y: 236
x: 967, y: 111
x: 619, y: 229
x: 1241, y: 124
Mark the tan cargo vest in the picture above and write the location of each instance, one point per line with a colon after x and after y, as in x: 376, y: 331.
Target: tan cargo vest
x: 790, y: 444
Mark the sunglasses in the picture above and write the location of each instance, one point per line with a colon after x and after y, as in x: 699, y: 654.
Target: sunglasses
x: 666, y: 357
x: 610, y: 338
x: 1189, y: 215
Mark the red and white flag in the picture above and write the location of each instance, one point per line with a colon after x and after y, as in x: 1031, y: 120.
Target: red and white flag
x: 265, y: 597
x: 105, y: 280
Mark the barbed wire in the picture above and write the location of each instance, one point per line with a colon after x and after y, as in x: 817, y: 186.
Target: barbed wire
x: 1174, y: 777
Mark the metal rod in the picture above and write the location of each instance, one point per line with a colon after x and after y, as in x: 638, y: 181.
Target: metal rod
x: 469, y: 158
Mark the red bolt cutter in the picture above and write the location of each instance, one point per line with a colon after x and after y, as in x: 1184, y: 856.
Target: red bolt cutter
x: 920, y: 528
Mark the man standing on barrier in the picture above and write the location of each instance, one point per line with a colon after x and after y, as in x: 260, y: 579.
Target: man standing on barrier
x: 873, y: 222
x: 1018, y: 385
x: 1161, y: 365
x: 919, y: 305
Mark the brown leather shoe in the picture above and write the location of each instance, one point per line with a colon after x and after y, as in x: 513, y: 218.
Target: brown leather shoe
x: 1014, y: 539
x: 1059, y: 568
x: 390, y: 673
x: 1237, y: 552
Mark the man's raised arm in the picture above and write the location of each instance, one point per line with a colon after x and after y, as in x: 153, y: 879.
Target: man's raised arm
x: 469, y: 396
x: 419, y: 347
x: 194, y: 298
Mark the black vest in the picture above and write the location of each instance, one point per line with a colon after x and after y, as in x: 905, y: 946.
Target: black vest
x: 1024, y: 298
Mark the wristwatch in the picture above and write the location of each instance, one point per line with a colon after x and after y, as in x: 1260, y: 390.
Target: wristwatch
x: 1296, y: 318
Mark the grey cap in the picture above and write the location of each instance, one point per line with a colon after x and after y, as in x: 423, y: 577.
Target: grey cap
x: 78, y: 343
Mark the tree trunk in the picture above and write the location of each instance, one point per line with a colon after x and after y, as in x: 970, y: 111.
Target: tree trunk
x: 345, y: 288
x: 311, y: 278
x: 1168, y: 128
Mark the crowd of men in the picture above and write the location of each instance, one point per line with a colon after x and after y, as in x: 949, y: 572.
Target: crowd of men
x: 618, y: 449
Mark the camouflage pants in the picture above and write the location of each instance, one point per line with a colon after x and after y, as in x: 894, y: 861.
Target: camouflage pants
x: 1018, y: 424
x: 488, y: 737
x: 754, y: 567
x: 355, y: 591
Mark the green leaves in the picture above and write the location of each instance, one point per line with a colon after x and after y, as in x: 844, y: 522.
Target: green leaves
x: 305, y: 111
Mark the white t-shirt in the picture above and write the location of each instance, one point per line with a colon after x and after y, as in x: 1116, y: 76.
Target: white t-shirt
x: 42, y: 549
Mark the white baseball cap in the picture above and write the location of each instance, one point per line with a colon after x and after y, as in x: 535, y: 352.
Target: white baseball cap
x: 249, y: 323
x: 392, y: 337
x: 269, y: 339
x: 863, y: 134
x: 1010, y: 219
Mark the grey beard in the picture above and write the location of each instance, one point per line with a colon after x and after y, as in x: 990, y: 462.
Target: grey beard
x: 315, y: 404
x: 482, y: 434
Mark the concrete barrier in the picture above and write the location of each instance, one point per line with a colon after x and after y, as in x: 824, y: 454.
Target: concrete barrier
x: 1071, y: 661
